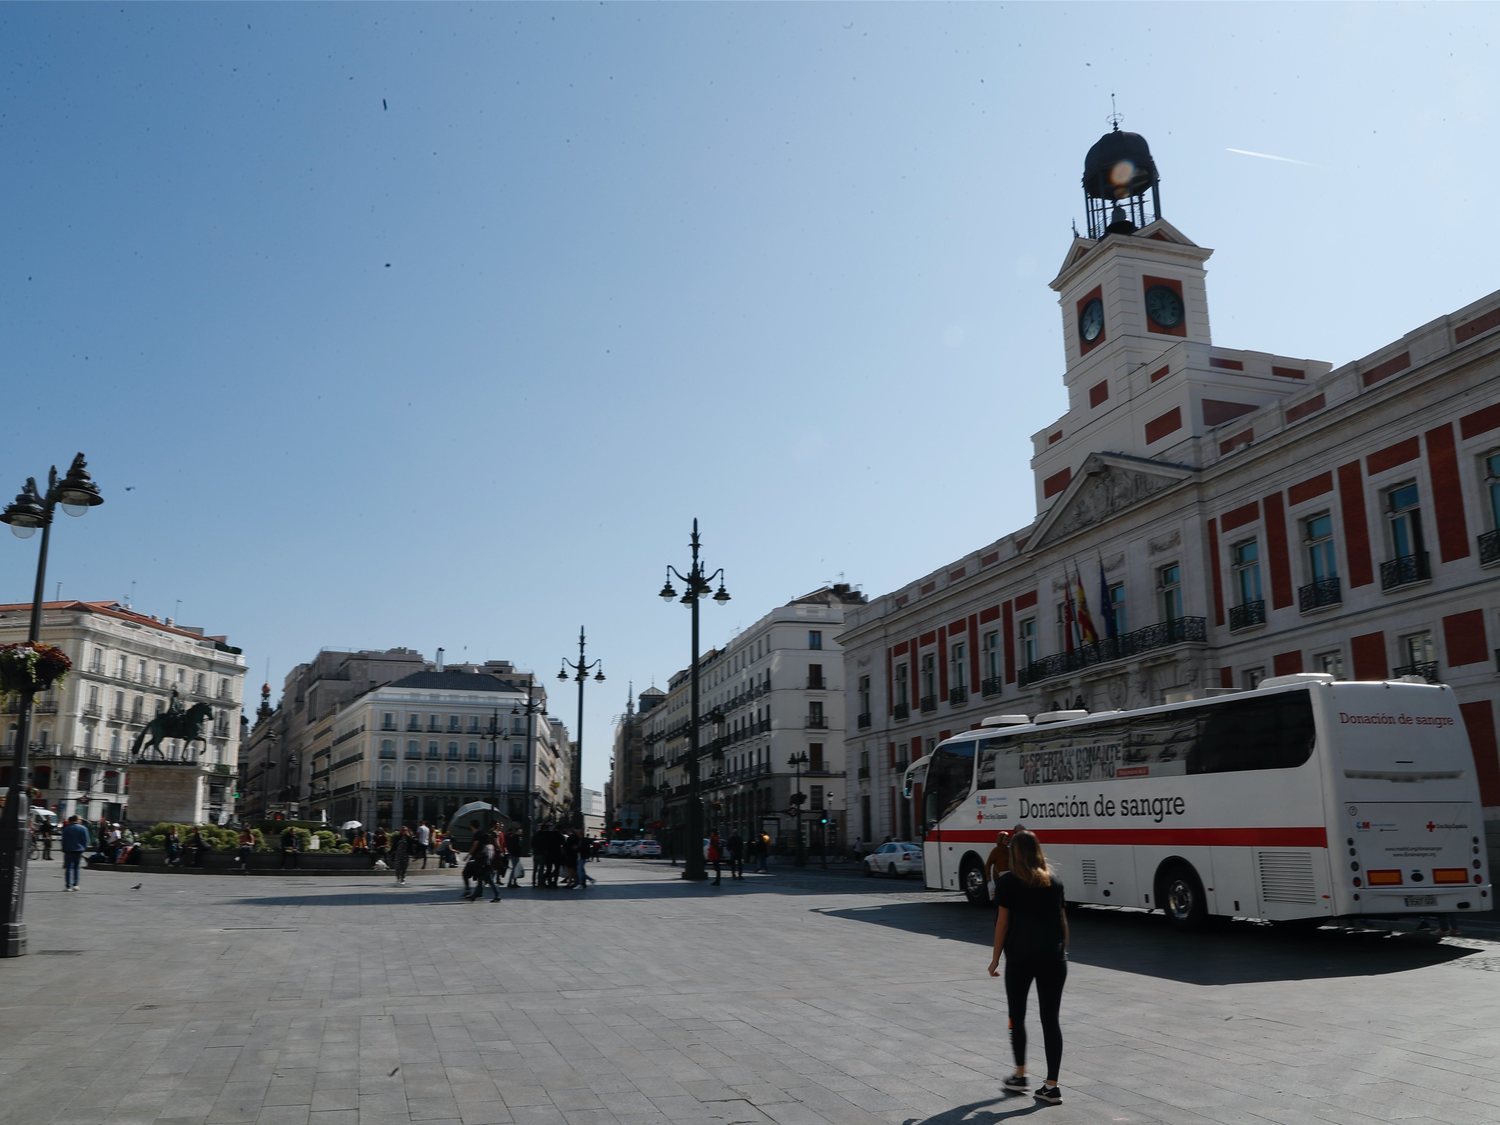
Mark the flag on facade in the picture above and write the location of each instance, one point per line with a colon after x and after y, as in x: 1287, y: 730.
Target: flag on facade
x: 1107, y: 606
x: 1070, y: 619
x: 1086, y: 632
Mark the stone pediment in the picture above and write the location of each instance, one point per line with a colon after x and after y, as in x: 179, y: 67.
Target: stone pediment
x: 1106, y: 485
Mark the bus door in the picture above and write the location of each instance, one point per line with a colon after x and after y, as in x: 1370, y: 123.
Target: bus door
x: 913, y: 788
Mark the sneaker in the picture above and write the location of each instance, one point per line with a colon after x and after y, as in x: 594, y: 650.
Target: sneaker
x: 1016, y: 1082
x: 1051, y: 1095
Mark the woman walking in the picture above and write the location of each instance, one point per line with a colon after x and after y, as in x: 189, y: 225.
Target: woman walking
x: 402, y: 847
x: 1032, y: 929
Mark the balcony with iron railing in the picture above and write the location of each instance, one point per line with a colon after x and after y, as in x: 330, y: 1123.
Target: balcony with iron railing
x: 1246, y: 615
x: 901, y: 711
x: 1489, y: 547
x: 990, y: 686
x: 816, y: 683
x: 927, y: 704
x: 862, y: 720
x: 958, y: 696
x: 817, y: 722
x: 1164, y: 634
x: 863, y: 773
x: 1320, y: 594
x: 1427, y: 669
x: 1404, y: 570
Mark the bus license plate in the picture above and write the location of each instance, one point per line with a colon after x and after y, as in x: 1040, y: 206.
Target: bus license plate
x: 1421, y: 900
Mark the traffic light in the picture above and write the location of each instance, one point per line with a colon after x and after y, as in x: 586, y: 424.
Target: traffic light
x: 823, y: 819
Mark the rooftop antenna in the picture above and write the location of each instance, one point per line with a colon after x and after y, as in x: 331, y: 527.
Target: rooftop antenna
x: 1114, y: 114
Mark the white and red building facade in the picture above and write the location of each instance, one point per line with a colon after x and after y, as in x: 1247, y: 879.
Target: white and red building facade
x: 1242, y: 514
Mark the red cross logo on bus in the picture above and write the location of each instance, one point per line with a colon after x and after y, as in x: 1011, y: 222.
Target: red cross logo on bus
x: 1431, y: 827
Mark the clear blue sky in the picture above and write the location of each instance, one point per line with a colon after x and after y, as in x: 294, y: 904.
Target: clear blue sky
x: 437, y: 325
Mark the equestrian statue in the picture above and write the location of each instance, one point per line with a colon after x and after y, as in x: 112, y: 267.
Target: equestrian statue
x: 174, y: 722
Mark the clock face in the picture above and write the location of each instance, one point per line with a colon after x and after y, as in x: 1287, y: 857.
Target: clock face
x: 1163, y: 306
x: 1091, y: 320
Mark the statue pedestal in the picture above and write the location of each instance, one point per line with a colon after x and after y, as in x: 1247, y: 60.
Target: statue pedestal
x: 175, y: 791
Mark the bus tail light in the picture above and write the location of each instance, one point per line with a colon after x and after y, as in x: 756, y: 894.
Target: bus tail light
x: 1385, y: 878
x: 1450, y: 875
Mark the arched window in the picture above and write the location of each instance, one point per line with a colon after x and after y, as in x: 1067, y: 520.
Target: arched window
x: 432, y: 775
x: 387, y: 777
x: 411, y: 775
x: 452, y: 777
x: 515, y: 779
x: 471, y: 776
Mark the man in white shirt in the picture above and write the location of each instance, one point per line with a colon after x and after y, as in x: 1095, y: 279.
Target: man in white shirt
x: 424, y: 842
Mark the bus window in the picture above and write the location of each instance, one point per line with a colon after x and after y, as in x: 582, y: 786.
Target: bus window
x: 949, y: 778
x: 990, y: 749
x: 1271, y: 733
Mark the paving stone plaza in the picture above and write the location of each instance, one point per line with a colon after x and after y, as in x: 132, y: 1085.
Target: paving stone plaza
x: 796, y: 997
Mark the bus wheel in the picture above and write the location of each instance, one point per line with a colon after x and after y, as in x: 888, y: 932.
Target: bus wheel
x: 1181, y: 896
x: 971, y: 878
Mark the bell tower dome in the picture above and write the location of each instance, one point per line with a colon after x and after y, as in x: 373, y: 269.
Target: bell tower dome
x: 1118, y: 173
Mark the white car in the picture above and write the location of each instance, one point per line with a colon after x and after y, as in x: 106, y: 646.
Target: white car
x: 894, y: 859
x: 647, y: 849
x: 619, y: 847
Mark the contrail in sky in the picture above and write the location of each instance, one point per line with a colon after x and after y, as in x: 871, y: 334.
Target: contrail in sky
x: 1268, y: 156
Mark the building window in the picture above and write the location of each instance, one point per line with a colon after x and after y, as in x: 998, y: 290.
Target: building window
x: 1169, y: 585
x: 815, y: 757
x: 432, y: 750
x: 816, y: 720
x: 1322, y: 564
x: 815, y: 638
x: 1246, y: 564
x: 1250, y: 606
x: 1330, y: 662
x: 990, y: 662
x: 902, y: 690
x: 864, y: 696
x: 1491, y: 487
x: 120, y: 668
x: 1418, y: 656
x: 161, y: 675
x: 1317, y: 536
x: 1117, y: 603
x: 473, y: 750
x: 815, y: 797
x: 927, y: 677
x: 411, y: 775
x: 958, y: 660
x: 1408, y: 561
x: 387, y: 747
x: 413, y: 748
x: 1253, y: 677
x: 96, y: 660
x: 452, y: 752
x: 1027, y: 638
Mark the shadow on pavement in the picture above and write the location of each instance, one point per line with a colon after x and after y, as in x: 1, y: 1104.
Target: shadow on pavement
x: 979, y: 1113
x: 1227, y: 953
x: 382, y: 892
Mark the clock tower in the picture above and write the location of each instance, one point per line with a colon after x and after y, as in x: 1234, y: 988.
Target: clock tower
x: 1142, y: 375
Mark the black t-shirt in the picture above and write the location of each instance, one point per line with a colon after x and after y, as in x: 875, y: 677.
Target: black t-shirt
x: 1035, y: 928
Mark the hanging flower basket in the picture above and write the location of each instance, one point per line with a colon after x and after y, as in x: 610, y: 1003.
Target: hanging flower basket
x: 31, y: 667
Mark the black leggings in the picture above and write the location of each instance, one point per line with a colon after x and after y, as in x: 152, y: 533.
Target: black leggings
x: 1050, y: 973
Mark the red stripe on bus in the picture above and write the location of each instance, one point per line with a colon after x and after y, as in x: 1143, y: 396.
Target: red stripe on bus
x: 1175, y: 837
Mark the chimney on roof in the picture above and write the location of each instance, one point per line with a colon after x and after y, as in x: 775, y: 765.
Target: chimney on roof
x: 439, y: 667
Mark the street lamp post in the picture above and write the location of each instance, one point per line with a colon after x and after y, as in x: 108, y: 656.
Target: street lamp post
x: 580, y: 669
x: 532, y: 708
x: 30, y: 510
x: 494, y: 736
x: 797, y: 762
x: 697, y: 585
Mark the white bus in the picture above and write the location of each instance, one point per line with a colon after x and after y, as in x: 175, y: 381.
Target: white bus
x: 1304, y: 798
